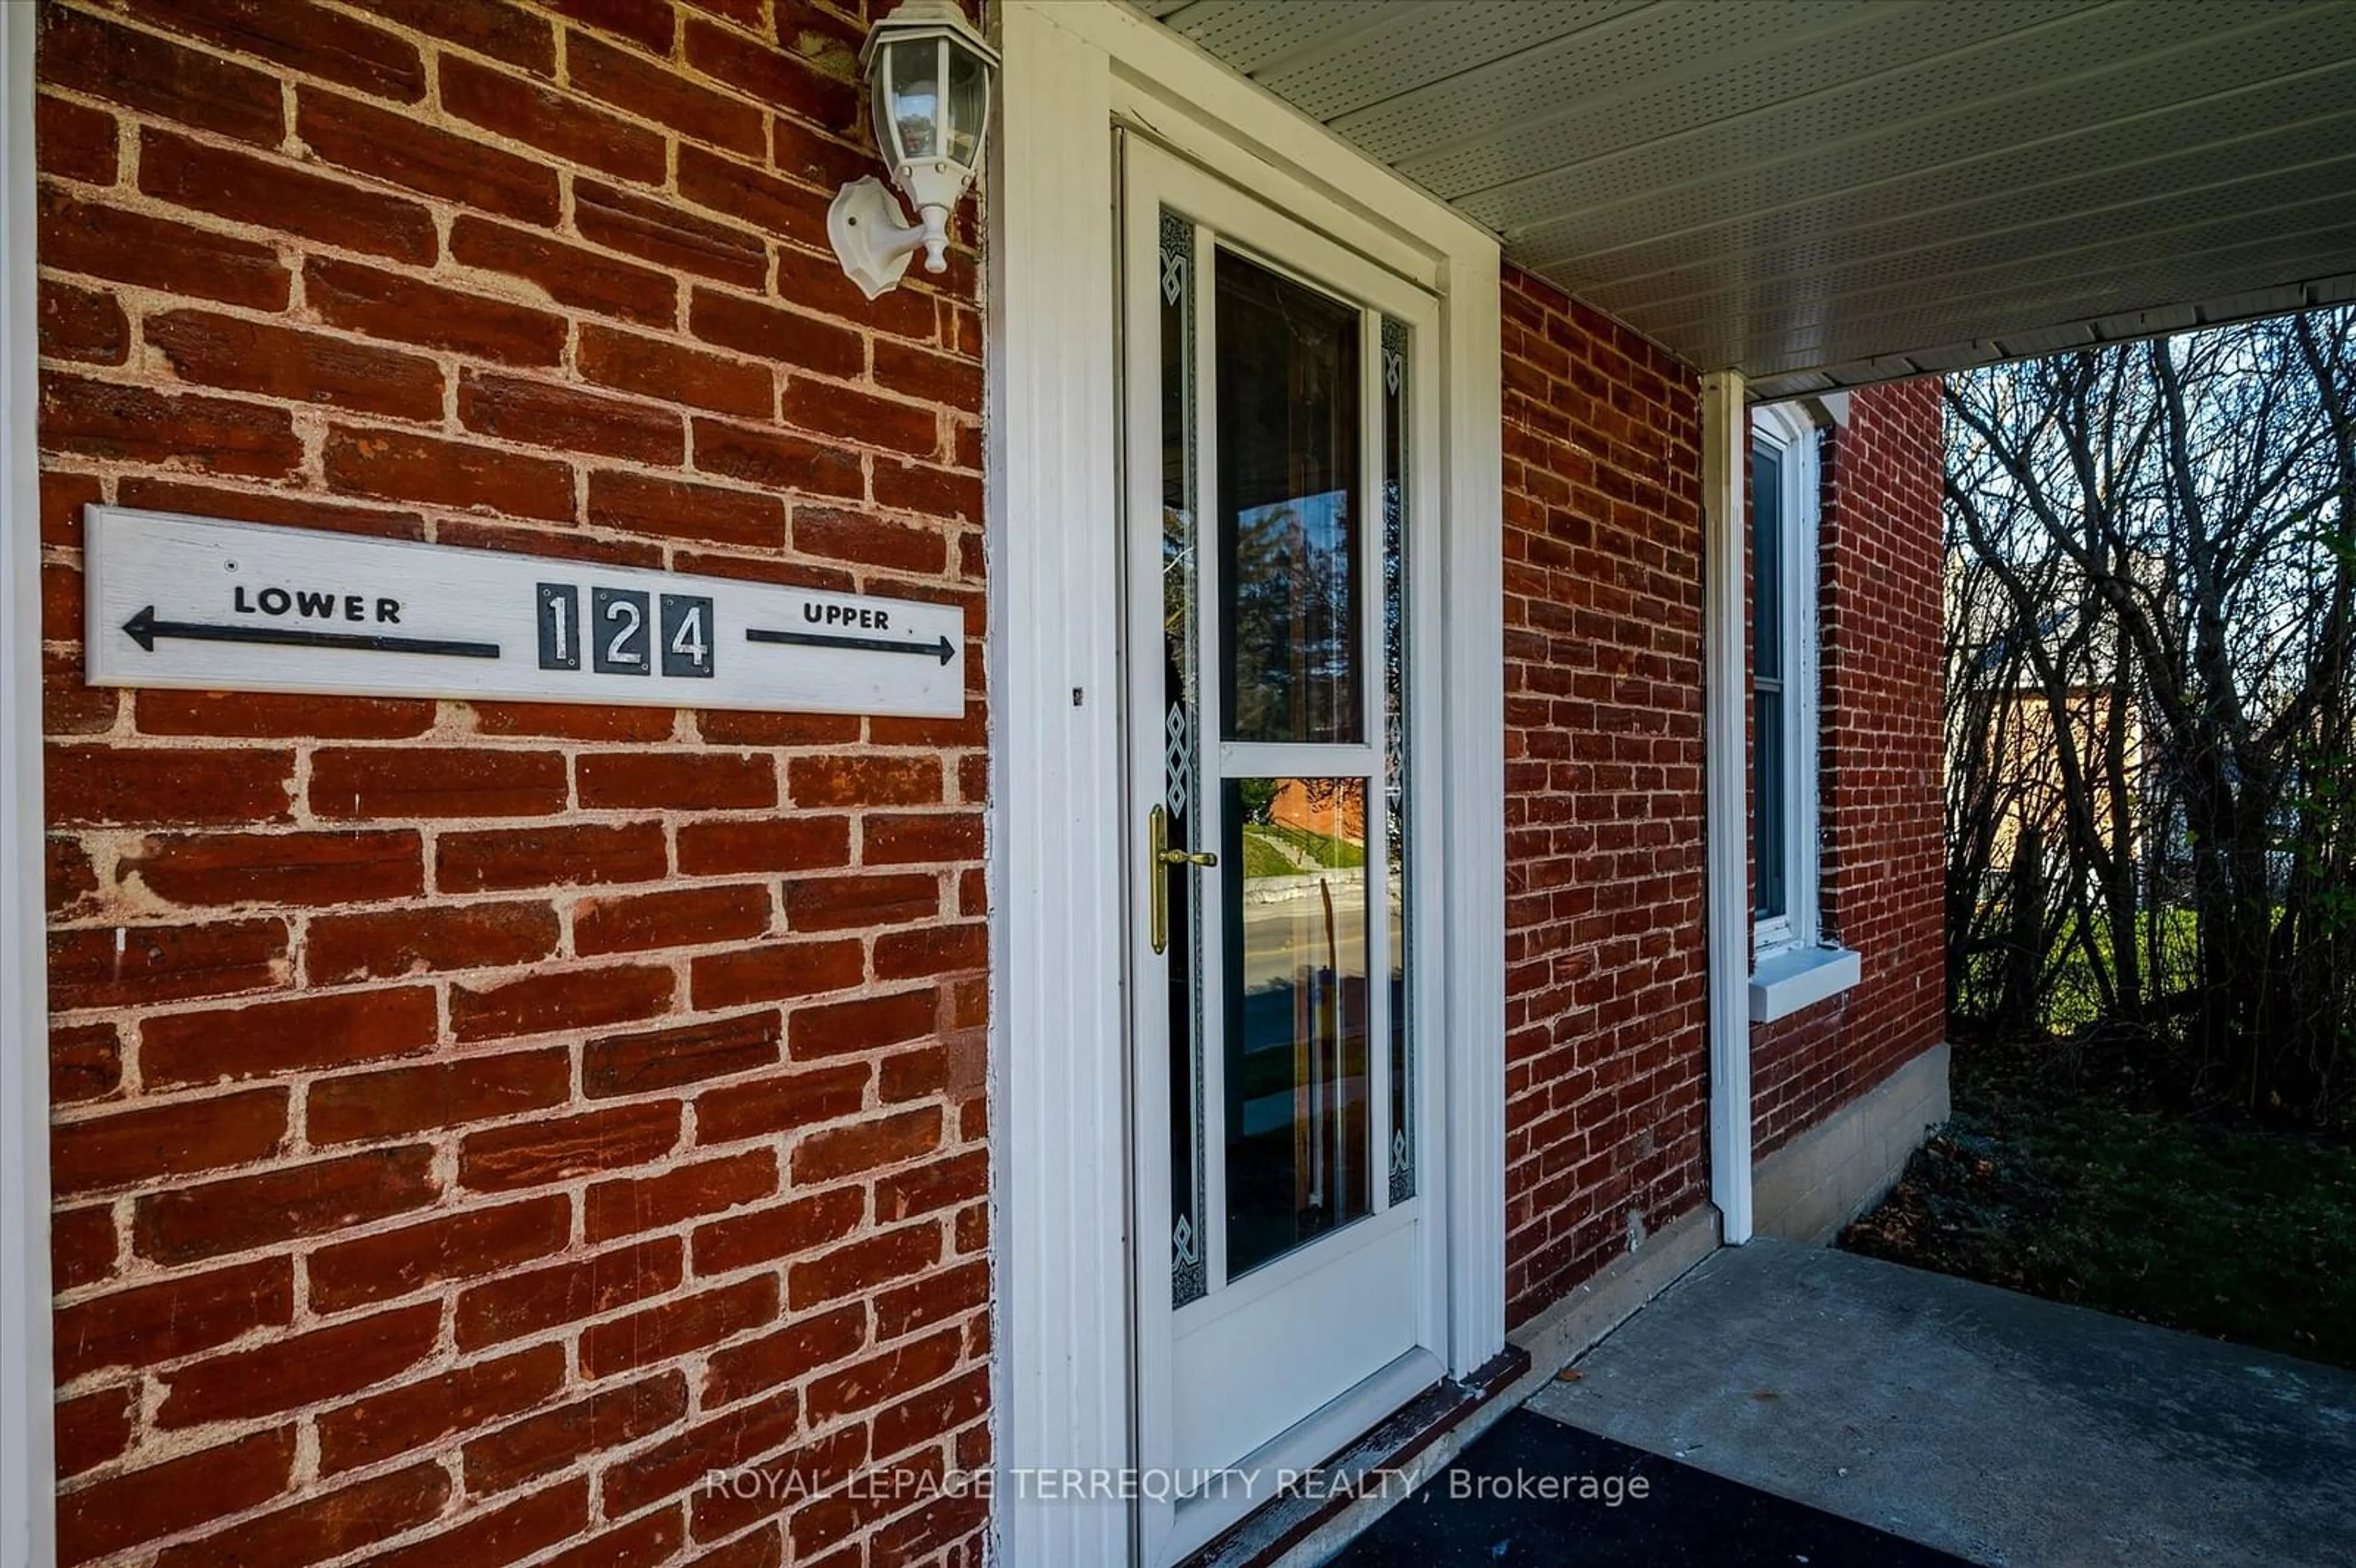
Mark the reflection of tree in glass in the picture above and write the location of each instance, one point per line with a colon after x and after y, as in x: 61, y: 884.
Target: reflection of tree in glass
x: 1295, y: 621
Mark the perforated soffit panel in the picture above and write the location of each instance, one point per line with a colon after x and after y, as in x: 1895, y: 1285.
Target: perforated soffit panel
x: 1828, y: 192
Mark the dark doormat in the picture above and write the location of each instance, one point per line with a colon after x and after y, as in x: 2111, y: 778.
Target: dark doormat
x: 1533, y: 1493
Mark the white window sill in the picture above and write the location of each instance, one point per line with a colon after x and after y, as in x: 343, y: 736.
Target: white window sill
x: 1782, y: 983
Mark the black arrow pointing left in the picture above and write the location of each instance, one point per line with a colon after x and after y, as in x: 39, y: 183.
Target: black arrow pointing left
x: 144, y: 630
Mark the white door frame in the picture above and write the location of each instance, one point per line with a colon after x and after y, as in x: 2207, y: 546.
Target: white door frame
x: 28, y: 1487
x: 1062, y: 1395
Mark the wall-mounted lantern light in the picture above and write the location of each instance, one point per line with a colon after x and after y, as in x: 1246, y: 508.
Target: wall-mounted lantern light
x: 928, y: 84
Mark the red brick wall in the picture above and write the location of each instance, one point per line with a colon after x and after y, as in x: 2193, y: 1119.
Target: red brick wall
x: 1605, y: 1004
x: 1880, y: 767
x: 474, y: 1121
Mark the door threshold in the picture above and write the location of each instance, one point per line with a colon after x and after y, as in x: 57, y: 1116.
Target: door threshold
x: 1376, y: 1469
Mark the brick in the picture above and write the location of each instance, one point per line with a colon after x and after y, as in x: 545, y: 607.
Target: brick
x: 82, y: 1246
x: 573, y: 721
x: 646, y: 22
x: 778, y: 1104
x: 789, y: 1355
x: 731, y: 728
x: 689, y: 917
x: 74, y: 141
x: 670, y: 508
x: 95, y: 1428
x: 573, y: 855
x: 230, y: 869
x: 776, y: 460
x: 764, y: 1236
x: 935, y: 492
x: 834, y: 534
x: 657, y: 231
x: 668, y: 1058
x: 556, y: 123
x: 544, y: 1298
x: 86, y: 1062
x: 300, y: 1034
x: 236, y: 354
x: 543, y: 414
x: 772, y: 332
x: 612, y: 1418
x: 918, y: 1534
x: 400, y: 467
x: 180, y: 1316
x: 864, y: 1024
x: 815, y: 275
x: 653, y: 368
x: 441, y: 1094
x: 677, y: 780
x: 77, y: 236
x: 273, y: 194
x: 390, y: 944
x: 826, y: 1464
x: 930, y: 377
x: 771, y: 76
x: 271, y: 715
x: 149, y: 1143
x: 324, y: 1524
x: 67, y: 875
x: 432, y: 162
x: 621, y: 1207
x: 910, y: 428
x: 882, y: 1377
x: 157, y: 76
x: 325, y: 1364
x: 560, y: 1148
x: 717, y: 849
x: 904, y: 838
x: 861, y: 781
x: 934, y: 1299
x: 134, y: 965
x: 814, y: 158
x: 340, y: 49
x: 493, y: 1536
x: 435, y: 782
x: 499, y: 32
x: 81, y: 324
x: 135, y: 425
x: 860, y: 1267
x: 410, y: 310
x: 570, y: 274
x: 677, y: 1327
x: 772, y: 971
x: 121, y: 1512
x: 541, y: 1003
x: 643, y: 1543
x: 458, y: 1401
x: 904, y: 1194
x: 837, y: 1152
x: 840, y: 904
x: 457, y: 1247
x: 669, y: 1467
x: 658, y: 91
x: 277, y: 1206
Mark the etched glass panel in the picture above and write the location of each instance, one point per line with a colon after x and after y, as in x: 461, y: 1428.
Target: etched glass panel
x: 1395, y: 753
x: 1290, y: 508
x: 1296, y: 1048
x: 1181, y: 790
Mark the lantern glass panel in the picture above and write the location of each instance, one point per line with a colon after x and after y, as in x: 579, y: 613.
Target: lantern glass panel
x: 913, y: 94
x: 968, y: 105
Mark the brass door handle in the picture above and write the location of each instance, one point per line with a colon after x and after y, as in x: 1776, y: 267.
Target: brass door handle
x: 1159, y: 856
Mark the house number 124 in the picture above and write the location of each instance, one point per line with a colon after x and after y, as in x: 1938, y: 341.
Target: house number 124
x: 623, y: 633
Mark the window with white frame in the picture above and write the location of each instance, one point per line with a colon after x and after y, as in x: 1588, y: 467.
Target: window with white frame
x: 1784, y: 833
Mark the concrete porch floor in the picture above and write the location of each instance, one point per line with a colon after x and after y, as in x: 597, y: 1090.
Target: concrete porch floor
x: 1997, y: 1426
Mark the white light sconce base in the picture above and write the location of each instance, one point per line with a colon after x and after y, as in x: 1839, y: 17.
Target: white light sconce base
x: 869, y: 240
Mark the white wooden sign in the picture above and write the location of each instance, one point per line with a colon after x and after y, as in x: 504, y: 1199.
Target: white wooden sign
x: 193, y: 602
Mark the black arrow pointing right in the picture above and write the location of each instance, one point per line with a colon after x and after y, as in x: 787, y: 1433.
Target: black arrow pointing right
x: 942, y: 650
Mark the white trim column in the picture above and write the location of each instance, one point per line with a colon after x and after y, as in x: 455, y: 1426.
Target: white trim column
x: 27, y: 1490
x: 1726, y: 830
x: 1059, y: 1147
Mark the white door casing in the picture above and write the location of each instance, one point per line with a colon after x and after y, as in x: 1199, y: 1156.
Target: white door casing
x: 1063, y: 1203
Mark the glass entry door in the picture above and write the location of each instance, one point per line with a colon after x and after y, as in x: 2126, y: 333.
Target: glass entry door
x: 1277, y: 449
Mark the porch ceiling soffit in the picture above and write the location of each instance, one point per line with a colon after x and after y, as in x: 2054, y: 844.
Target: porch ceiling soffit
x: 1822, y: 193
